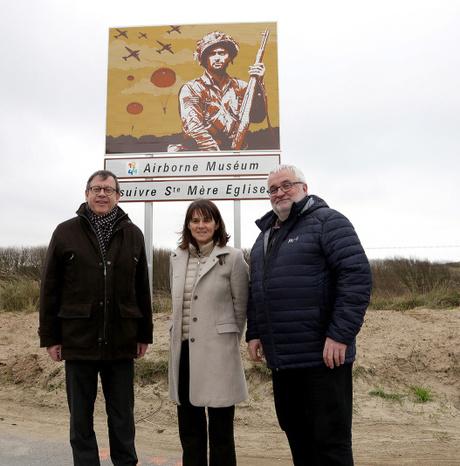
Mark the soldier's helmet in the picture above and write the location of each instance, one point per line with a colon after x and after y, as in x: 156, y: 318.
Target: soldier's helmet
x: 214, y: 39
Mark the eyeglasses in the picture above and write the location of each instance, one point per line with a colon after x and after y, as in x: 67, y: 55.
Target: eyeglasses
x: 285, y: 187
x: 107, y: 190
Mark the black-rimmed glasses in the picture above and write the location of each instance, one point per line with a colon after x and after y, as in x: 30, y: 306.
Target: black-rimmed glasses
x: 107, y: 190
x: 285, y: 187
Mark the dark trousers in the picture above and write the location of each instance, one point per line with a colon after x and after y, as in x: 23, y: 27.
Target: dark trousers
x: 193, y: 426
x: 314, y: 408
x: 117, y: 385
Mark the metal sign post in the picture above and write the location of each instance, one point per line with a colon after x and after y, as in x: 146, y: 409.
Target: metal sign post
x: 148, y: 238
x: 237, y: 224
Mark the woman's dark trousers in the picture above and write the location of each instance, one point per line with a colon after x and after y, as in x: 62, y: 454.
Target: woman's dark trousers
x: 193, y: 426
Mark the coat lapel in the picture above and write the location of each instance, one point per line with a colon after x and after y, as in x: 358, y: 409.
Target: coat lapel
x: 213, y: 260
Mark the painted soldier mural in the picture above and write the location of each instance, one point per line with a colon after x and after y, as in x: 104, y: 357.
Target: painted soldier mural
x: 162, y: 100
x: 211, y: 105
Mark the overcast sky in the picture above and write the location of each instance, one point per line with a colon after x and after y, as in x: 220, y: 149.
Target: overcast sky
x: 369, y: 109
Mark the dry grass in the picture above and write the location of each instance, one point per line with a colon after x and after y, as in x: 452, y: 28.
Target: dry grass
x: 19, y: 294
x: 403, y: 284
x: 399, y: 283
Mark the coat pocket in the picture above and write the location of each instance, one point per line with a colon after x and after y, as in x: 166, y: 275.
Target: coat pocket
x: 126, y: 327
x: 75, y: 311
x: 227, y: 328
x: 129, y: 311
x: 79, y: 326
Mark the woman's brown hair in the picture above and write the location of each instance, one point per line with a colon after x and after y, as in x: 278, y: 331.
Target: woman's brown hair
x: 207, y: 209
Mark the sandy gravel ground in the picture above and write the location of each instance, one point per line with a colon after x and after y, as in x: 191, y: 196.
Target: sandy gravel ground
x: 396, y: 351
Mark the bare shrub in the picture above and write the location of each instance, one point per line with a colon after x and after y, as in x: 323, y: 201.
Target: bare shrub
x: 161, y: 269
x: 402, y: 284
x: 22, y: 261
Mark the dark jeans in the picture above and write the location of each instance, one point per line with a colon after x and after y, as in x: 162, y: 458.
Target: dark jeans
x: 117, y: 385
x: 314, y: 408
x: 193, y: 426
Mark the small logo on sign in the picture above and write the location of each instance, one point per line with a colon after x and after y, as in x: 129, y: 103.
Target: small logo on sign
x: 132, y: 170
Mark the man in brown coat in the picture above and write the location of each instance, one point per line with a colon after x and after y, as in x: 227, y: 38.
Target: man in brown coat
x: 95, y: 313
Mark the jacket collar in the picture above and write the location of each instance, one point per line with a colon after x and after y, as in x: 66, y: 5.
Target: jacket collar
x: 202, y: 251
x: 216, y: 252
x: 180, y: 257
x: 304, y: 207
x: 121, y: 214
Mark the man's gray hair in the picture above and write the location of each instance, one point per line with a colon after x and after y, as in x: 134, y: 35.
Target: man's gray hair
x: 291, y: 168
x: 104, y: 174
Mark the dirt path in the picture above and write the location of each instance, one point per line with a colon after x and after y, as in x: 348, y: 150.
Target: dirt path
x: 396, y: 351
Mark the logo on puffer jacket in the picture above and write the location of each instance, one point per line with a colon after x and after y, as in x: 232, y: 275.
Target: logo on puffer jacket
x: 292, y: 240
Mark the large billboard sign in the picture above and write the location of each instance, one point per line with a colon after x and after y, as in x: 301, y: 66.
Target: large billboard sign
x: 186, y: 88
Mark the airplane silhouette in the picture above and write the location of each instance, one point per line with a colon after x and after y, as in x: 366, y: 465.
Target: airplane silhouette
x: 121, y: 33
x: 132, y: 53
x: 164, y: 47
x: 174, y: 29
x: 142, y: 35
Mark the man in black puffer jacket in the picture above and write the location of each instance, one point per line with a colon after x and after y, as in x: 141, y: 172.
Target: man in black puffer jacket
x: 95, y: 313
x: 310, y: 287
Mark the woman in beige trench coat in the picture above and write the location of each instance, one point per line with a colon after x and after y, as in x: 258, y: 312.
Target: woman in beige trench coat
x: 209, y: 287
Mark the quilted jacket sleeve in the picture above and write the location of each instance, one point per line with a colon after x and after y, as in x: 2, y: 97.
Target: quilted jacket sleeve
x: 351, y: 274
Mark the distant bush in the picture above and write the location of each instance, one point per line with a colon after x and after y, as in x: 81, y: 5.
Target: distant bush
x: 410, y: 275
x: 22, y: 262
x: 398, y: 283
x: 403, y: 284
x: 161, y: 269
x: 19, y: 294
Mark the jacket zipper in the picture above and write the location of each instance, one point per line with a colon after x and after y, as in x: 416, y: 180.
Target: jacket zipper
x: 106, y: 310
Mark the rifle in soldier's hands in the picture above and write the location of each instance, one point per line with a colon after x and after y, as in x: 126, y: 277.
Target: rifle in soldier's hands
x: 255, y: 70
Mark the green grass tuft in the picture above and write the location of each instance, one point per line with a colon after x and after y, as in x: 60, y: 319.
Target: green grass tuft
x: 386, y: 396
x: 422, y: 394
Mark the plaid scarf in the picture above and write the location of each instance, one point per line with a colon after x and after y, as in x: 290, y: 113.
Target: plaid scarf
x: 103, y: 225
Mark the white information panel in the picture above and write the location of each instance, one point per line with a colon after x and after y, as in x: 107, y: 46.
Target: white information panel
x: 190, y: 189
x: 150, y: 166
